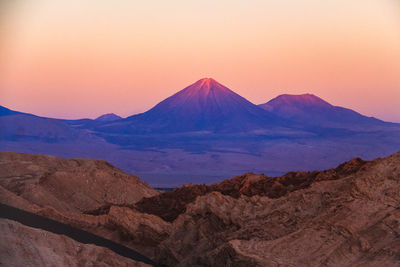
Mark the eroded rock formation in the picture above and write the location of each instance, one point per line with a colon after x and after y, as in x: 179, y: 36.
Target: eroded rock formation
x: 21, y: 245
x: 75, y: 185
x: 347, y: 216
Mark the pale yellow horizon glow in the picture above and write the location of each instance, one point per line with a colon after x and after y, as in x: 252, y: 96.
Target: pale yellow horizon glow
x: 76, y: 59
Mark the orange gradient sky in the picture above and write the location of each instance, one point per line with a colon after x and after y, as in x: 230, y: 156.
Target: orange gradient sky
x: 75, y: 59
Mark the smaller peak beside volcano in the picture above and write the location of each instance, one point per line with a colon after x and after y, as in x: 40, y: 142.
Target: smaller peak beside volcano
x: 293, y: 103
x: 108, y: 117
x: 309, y: 109
x: 302, y: 100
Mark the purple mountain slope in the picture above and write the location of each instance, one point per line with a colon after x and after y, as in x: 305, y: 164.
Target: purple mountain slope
x: 5, y: 111
x: 18, y: 126
x: 205, y: 105
x: 309, y: 109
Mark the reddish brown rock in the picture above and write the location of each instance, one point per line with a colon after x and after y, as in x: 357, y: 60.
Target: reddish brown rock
x: 169, y: 205
x: 21, y: 245
x: 75, y: 185
x: 351, y: 220
x: 347, y: 216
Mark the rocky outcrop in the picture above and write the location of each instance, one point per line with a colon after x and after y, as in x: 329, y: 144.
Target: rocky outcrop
x: 170, y: 204
x: 352, y: 219
x: 68, y: 190
x: 347, y: 216
x: 75, y: 185
x: 21, y: 245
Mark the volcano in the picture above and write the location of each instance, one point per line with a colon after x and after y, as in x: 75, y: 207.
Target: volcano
x: 205, y: 105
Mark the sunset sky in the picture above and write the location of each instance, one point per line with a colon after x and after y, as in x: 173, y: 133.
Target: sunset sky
x: 76, y: 59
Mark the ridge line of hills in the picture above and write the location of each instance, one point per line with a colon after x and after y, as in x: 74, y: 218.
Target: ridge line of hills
x: 207, y: 131
x: 204, y: 86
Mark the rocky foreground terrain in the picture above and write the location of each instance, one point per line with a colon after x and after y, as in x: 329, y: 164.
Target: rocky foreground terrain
x: 25, y: 246
x: 347, y: 216
x: 74, y: 185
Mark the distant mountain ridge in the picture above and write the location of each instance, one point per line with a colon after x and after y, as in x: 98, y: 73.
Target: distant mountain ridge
x: 18, y: 126
x: 5, y: 111
x: 207, y: 105
x: 206, y: 132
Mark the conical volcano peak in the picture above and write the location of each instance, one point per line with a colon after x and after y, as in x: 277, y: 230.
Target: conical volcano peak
x: 207, y: 84
x: 208, y: 81
x: 203, y: 88
x: 206, y: 105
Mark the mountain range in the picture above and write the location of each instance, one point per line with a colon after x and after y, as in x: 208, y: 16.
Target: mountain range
x: 207, y: 132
